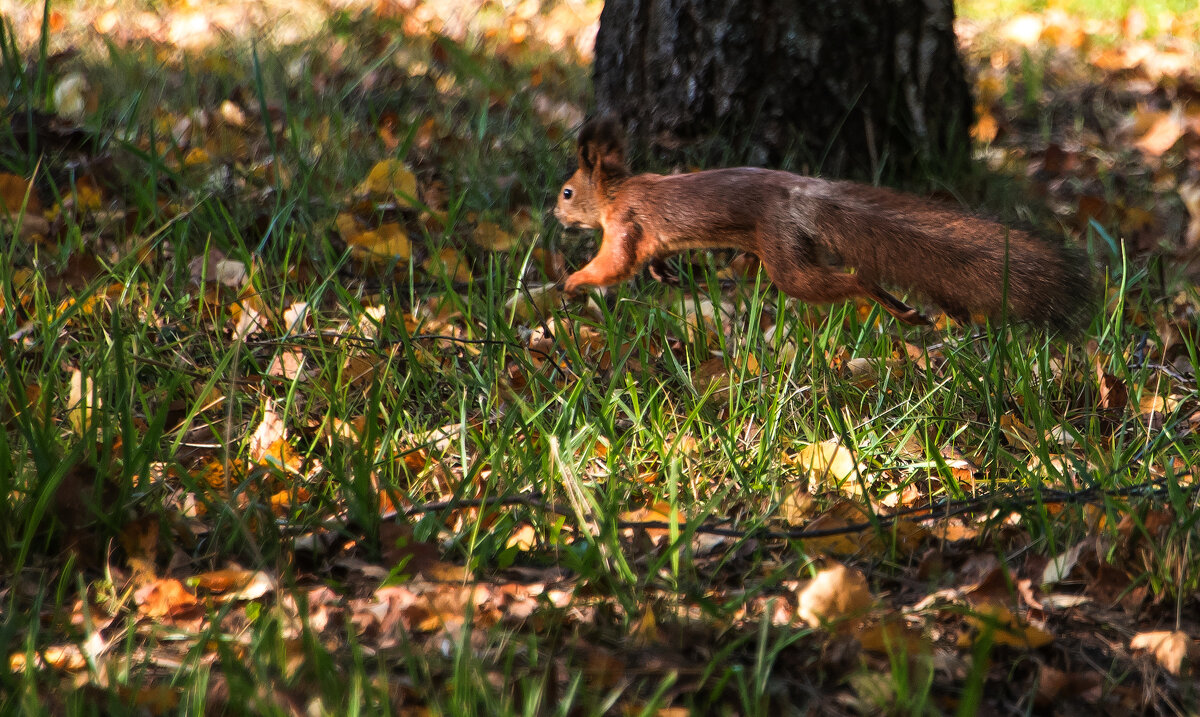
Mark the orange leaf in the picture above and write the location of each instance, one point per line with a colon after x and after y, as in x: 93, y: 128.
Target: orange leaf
x: 164, y: 597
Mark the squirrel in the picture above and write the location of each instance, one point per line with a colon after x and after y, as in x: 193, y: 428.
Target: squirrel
x: 819, y: 240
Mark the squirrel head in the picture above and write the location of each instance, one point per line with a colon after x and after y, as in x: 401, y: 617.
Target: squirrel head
x: 601, y: 157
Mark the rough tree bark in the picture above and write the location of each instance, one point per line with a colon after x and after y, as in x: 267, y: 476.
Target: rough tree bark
x: 852, y: 87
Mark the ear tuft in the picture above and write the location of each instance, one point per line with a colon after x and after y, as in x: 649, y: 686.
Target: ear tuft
x: 602, y: 144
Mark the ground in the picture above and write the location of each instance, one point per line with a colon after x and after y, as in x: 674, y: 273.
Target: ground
x: 295, y: 419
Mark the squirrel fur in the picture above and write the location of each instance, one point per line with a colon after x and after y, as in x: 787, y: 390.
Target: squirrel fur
x: 819, y: 240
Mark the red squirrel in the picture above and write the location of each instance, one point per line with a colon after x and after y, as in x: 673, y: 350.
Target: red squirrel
x: 819, y: 240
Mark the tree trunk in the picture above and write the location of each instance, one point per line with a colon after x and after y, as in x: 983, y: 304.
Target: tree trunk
x: 864, y: 88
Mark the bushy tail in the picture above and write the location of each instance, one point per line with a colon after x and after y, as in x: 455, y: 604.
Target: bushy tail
x: 963, y: 263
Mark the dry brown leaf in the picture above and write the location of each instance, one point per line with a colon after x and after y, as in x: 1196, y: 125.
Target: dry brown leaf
x: 139, y: 538
x: 1166, y: 128
x: 71, y: 96
x: 1113, y: 394
x: 837, y: 593
x: 710, y: 375
x: 862, y: 372
x: 524, y: 538
x: 534, y: 303
x: 17, y: 192
x: 290, y: 364
x: 1060, y: 566
x: 235, y: 583
x: 1006, y: 627
x: 451, y: 263
x: 1169, y: 647
x: 415, y: 557
x: 1055, y: 685
x: 1189, y: 192
x: 1018, y: 434
x: 986, y: 127
x: 58, y: 657
x: 660, y: 512
x: 491, y: 237
x: 1114, y: 59
x: 893, y: 636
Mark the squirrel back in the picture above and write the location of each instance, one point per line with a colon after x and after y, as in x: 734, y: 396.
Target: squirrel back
x: 819, y: 240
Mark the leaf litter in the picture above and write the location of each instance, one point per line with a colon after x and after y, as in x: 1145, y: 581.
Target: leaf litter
x: 847, y: 605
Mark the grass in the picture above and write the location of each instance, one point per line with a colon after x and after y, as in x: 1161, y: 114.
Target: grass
x: 612, y: 414
x: 1001, y: 10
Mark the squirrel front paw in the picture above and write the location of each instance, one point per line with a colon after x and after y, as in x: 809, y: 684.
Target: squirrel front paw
x: 572, y: 285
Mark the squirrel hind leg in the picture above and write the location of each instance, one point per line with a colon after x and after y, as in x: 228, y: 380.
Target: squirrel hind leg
x: 662, y: 271
x: 897, y: 308
x: 818, y: 284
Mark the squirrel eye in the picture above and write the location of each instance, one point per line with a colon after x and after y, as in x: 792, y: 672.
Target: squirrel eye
x: 568, y: 193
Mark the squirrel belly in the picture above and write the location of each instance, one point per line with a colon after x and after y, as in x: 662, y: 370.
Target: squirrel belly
x: 819, y: 240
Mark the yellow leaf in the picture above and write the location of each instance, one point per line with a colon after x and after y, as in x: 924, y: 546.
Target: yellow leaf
x: 195, y: 156
x: 893, y: 635
x: 489, y: 236
x: 523, y: 538
x: 87, y: 194
x: 449, y: 262
x: 829, y: 462
x: 838, y: 543
x: 282, y: 455
x: 389, y: 240
x: 391, y: 177
x: 1006, y: 627
x: 82, y: 402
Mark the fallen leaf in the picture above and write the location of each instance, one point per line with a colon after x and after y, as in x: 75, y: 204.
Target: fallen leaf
x: 489, y: 236
x: 82, y: 402
x: 1006, y: 627
x: 1165, y: 130
x: 1061, y: 565
x: 70, y: 96
x: 1169, y: 647
x: 234, y: 584
x: 392, y: 178
x: 450, y: 263
x: 836, y: 593
x: 1189, y: 192
x: 270, y: 432
x: 17, y: 192
x: 162, y: 598
x: 830, y: 464
x: 893, y: 636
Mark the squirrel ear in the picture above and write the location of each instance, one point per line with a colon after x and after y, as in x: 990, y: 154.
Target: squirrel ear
x: 601, y: 142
